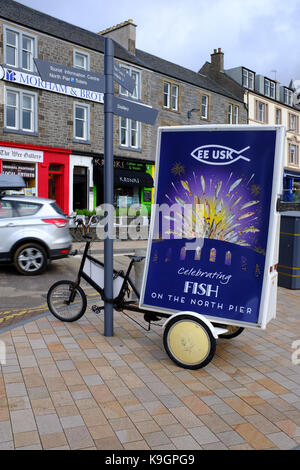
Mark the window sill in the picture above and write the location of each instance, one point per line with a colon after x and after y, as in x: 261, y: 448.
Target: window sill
x: 19, y: 131
x: 81, y: 141
x: 176, y: 111
x: 131, y: 149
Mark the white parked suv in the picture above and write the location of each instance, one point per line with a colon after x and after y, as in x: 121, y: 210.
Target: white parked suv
x: 33, y: 231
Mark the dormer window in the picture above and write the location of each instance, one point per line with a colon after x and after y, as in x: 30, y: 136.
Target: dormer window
x: 288, y: 96
x: 248, y: 79
x: 269, y: 89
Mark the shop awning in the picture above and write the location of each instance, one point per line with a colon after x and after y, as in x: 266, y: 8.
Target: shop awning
x: 126, y: 178
x: 293, y: 174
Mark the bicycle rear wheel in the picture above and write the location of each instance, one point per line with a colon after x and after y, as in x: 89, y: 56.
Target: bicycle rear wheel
x: 59, y: 304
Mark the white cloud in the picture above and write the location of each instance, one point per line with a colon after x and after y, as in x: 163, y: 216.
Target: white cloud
x: 259, y: 34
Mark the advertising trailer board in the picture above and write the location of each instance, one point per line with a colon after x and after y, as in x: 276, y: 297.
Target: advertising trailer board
x: 213, y: 244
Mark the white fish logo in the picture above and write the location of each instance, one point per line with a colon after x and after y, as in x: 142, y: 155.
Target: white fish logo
x: 218, y: 154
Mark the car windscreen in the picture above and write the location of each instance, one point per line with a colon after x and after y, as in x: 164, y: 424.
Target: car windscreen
x: 57, y: 208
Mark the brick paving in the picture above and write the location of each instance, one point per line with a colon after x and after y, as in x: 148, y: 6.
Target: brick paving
x: 66, y: 386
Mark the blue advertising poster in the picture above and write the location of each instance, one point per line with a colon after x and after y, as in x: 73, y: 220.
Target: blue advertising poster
x: 209, y: 238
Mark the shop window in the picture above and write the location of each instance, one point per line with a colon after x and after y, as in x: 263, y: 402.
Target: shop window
x: 19, y: 49
x: 81, y: 60
x: 136, y: 75
x: 130, y: 133
x: 81, y: 122
x: 20, y: 110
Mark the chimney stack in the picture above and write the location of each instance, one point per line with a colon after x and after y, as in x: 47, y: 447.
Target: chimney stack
x: 123, y: 33
x: 217, y: 60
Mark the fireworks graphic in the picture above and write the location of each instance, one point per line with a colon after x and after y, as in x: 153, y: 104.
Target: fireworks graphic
x: 209, y: 207
x: 178, y: 169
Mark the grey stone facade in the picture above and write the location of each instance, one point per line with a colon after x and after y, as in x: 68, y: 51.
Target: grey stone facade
x: 55, y: 111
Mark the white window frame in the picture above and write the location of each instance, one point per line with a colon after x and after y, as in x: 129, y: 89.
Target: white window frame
x: 288, y: 97
x: 272, y: 90
x: 236, y: 114
x: 167, y: 94
x: 86, y: 56
x: 19, y: 110
x: 172, y: 92
x: 233, y: 114
x: 278, y: 112
x: 261, y: 112
x: 295, y: 154
x: 249, y: 77
x: 136, y: 95
x: 129, y: 129
x: 86, y: 120
x: 204, y: 106
x: 19, y: 48
x: 230, y: 113
x: 267, y: 87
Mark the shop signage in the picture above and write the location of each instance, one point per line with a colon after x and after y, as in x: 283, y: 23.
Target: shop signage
x: 123, y: 164
x: 35, y: 81
x: 134, y: 110
x: 15, y: 169
x: 212, y: 255
x: 70, y: 76
x: 24, y: 155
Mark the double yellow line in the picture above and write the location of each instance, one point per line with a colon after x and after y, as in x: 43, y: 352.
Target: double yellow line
x: 8, y: 313
x: 21, y: 312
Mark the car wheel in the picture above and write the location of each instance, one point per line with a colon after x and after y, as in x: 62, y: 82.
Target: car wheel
x: 30, y: 259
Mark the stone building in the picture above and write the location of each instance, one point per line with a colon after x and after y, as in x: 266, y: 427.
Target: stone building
x: 54, y: 135
x: 268, y: 102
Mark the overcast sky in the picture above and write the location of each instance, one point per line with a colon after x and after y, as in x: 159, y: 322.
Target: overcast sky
x: 262, y: 35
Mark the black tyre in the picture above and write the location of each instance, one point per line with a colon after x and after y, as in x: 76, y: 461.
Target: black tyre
x: 232, y: 331
x: 30, y: 259
x: 189, y: 342
x: 58, y: 299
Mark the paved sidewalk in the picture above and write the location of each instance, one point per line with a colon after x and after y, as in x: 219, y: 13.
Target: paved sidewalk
x: 66, y: 386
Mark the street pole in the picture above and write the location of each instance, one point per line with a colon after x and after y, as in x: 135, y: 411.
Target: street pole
x: 108, y: 183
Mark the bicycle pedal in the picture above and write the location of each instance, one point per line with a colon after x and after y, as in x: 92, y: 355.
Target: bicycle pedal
x: 96, y: 309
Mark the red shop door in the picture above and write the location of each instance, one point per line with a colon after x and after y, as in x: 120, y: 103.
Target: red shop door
x: 55, y: 184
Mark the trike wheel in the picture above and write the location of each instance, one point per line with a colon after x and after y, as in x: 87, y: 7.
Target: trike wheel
x: 232, y: 331
x: 60, y: 303
x: 189, y: 342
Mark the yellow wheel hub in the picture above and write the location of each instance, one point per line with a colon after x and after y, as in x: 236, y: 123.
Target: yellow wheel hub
x: 188, y: 342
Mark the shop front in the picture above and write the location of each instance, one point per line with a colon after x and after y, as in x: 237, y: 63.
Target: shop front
x: 45, y: 170
x: 133, y: 182
x: 291, y: 186
x: 81, y: 183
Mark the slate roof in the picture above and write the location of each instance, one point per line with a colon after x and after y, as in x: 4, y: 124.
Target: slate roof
x: 38, y: 21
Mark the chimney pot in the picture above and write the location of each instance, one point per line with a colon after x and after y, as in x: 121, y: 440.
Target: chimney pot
x: 215, y: 51
x: 219, y: 49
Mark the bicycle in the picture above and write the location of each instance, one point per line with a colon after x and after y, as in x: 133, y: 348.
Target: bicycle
x: 67, y: 301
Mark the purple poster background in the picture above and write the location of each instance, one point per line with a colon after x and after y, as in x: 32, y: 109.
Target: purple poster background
x: 226, y: 179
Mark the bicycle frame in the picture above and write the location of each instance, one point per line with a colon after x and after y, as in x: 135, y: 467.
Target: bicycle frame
x: 118, y: 301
